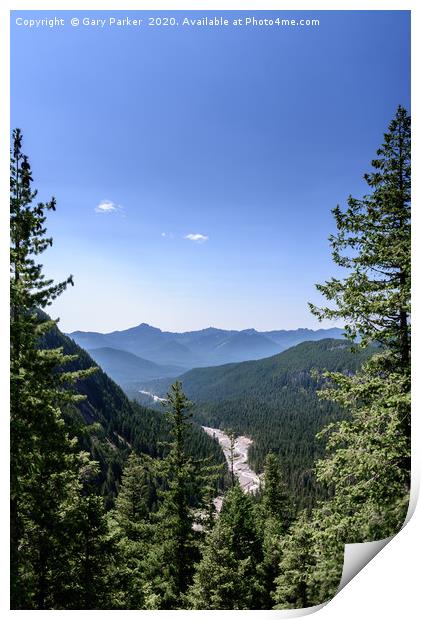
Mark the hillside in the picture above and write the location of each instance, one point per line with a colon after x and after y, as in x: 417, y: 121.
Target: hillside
x: 116, y: 424
x: 273, y: 401
x: 123, y: 366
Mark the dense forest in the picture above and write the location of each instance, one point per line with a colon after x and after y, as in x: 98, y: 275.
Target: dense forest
x: 275, y: 402
x: 109, y: 426
x: 111, y: 504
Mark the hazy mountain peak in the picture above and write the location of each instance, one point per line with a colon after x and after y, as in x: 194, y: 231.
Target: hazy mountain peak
x: 144, y: 327
x: 206, y: 347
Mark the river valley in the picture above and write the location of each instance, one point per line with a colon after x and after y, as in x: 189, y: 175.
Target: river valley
x: 248, y: 479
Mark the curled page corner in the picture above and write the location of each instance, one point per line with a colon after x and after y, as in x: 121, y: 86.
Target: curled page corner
x: 286, y: 613
x: 358, y: 555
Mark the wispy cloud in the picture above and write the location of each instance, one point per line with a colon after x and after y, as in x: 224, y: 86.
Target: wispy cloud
x: 196, y: 237
x: 167, y: 235
x: 107, y: 206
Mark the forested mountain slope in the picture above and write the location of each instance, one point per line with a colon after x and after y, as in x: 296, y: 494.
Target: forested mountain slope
x: 274, y: 401
x: 117, y: 425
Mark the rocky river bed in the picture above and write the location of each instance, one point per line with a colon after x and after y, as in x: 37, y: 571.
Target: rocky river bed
x: 247, y: 477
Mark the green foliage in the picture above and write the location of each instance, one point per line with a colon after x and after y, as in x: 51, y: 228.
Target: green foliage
x: 175, y: 549
x: 368, y: 456
x: 274, y: 401
x: 108, y: 425
x: 131, y: 529
x: 227, y: 576
x: 367, y: 461
x: 373, y: 243
x: 275, y: 514
x: 85, y: 551
x: 136, y: 497
x: 46, y: 469
x: 276, y: 502
x: 295, y: 584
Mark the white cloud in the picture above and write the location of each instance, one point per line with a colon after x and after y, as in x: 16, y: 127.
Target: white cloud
x: 196, y: 237
x: 107, y: 206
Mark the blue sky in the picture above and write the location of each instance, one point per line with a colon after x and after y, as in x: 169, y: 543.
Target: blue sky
x: 246, y: 136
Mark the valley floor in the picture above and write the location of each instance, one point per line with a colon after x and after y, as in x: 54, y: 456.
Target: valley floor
x: 248, y: 479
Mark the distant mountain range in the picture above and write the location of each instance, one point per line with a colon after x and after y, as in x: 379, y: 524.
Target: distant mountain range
x: 272, y: 400
x: 117, y: 425
x: 145, y: 352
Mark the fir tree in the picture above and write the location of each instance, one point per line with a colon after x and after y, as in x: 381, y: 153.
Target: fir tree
x: 171, y: 558
x: 293, y: 584
x: 372, y: 243
x: 366, y: 467
x: 82, y: 563
x: 275, y: 516
x: 131, y: 531
x: 227, y: 576
x: 276, y: 502
x: 44, y: 462
x: 135, y: 497
x: 368, y: 456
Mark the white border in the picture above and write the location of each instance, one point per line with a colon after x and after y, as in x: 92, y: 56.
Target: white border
x: 387, y: 586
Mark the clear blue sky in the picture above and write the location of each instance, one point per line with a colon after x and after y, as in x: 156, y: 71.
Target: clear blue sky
x: 245, y: 136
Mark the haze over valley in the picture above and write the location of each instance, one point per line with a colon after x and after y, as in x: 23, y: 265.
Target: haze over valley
x: 144, y: 352
x: 256, y: 384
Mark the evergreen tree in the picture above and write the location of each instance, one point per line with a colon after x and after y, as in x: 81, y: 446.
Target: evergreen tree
x: 293, y: 584
x: 368, y: 456
x: 82, y: 563
x: 275, y: 516
x: 135, y: 497
x: 373, y: 243
x: 45, y: 465
x: 131, y: 531
x: 276, y: 502
x: 366, y: 467
x: 171, y: 558
x: 227, y: 576
x: 221, y: 581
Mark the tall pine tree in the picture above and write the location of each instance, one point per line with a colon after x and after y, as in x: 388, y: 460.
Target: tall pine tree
x: 367, y: 461
x: 131, y: 530
x: 175, y: 549
x: 373, y: 243
x: 368, y: 457
x: 366, y: 467
x: 45, y: 466
x: 228, y: 575
x: 275, y: 516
